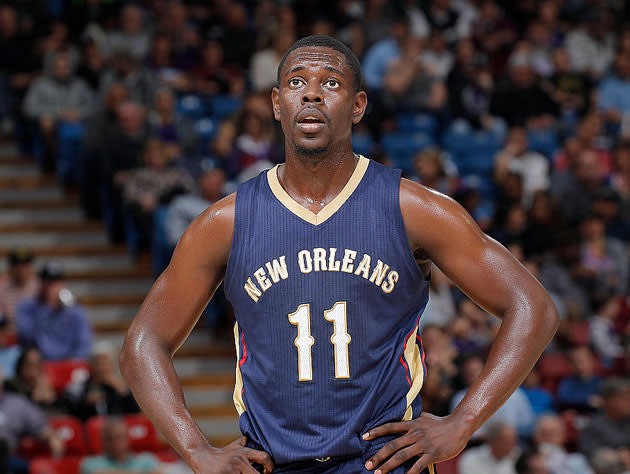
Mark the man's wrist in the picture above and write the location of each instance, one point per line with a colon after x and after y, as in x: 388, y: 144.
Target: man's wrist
x: 463, y: 423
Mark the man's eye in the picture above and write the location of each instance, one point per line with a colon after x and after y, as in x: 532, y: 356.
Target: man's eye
x: 332, y: 84
x: 294, y: 82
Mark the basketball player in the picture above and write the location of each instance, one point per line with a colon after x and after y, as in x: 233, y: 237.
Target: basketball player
x: 326, y: 259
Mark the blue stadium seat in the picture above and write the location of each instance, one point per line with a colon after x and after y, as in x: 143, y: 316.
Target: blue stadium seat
x: 222, y: 106
x: 362, y: 143
x: 191, y: 106
x: 543, y: 141
x: 161, y: 250
x: 401, y: 147
x: 473, y: 152
x: 69, y: 146
x: 206, y: 130
x: 410, y: 123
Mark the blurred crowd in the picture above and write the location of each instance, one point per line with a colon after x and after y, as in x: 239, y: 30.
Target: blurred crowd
x: 519, y: 110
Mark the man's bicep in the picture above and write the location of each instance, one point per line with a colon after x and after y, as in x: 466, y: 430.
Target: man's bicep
x: 476, y: 263
x: 180, y: 294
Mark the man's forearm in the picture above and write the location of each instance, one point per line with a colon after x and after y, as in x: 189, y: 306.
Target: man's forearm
x: 148, y: 370
x: 528, y: 328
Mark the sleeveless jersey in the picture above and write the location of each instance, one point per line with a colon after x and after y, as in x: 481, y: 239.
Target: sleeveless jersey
x: 327, y: 308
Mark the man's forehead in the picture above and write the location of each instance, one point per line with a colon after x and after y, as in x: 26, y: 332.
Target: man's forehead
x: 315, y: 55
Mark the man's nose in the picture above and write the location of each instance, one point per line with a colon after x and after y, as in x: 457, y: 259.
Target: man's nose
x: 312, y: 93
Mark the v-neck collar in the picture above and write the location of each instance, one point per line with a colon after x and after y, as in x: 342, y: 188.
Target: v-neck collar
x: 329, y: 209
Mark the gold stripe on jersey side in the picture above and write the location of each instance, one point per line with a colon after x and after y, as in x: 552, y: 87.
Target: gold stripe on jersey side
x: 432, y: 469
x: 416, y: 372
x: 238, y: 385
x: 329, y: 209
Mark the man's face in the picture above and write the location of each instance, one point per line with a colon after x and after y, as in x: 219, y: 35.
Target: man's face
x: 316, y: 102
x: 21, y: 272
x: 61, y: 68
x: 115, y: 440
x: 503, y: 445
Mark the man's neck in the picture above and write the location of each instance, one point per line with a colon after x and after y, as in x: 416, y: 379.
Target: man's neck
x: 315, y: 181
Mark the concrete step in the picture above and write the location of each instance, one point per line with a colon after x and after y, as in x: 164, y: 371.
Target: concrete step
x: 111, y: 314
x: 119, y: 287
x: 203, y: 397
x: 20, y: 195
x: 192, y: 366
x: 25, y: 216
x: 224, y: 380
x: 49, y: 252
x: 10, y: 151
x: 90, y: 266
x: 26, y: 182
x: 220, y: 431
x: 67, y: 201
x: 198, y: 338
x: 63, y: 226
x: 19, y: 169
x: 35, y: 240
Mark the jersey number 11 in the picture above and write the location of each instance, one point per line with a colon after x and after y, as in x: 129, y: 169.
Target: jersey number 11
x: 304, y: 341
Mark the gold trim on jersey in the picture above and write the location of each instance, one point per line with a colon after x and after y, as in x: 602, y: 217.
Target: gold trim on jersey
x: 329, y: 209
x: 416, y: 372
x: 238, y: 385
x: 432, y: 469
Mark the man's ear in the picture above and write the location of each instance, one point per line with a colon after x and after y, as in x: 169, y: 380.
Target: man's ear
x: 360, y: 103
x: 275, y: 103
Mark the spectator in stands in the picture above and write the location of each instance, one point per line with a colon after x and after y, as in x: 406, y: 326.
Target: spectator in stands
x: 53, y: 322
x: 131, y: 36
x: 31, y: 381
x: 410, y: 86
x: 518, y: 158
x: 516, y: 412
x: 580, y: 391
x: 237, y: 38
x: 540, y: 234
x: 604, y: 266
x: 606, y: 341
x: 154, y: 184
x: 539, y: 398
x: 22, y: 283
x: 497, y: 456
x: 520, y: 99
x: 494, y: 33
x: 185, y: 208
x: 263, y: 70
x: 437, y: 57
x: 20, y: 418
x: 212, y: 76
x: 575, y: 189
x: 435, y: 171
x: 610, y: 461
x: 126, y: 70
x: 590, y: 136
x: 175, y: 130
x: 569, y: 89
x: 104, y: 392
x: 379, y: 56
x: 549, y: 438
x: 161, y: 63
x: 620, y: 179
x: 60, y: 96
x: 531, y: 462
x: 91, y: 65
x: 9, y: 350
x: 440, y: 309
x: 440, y: 356
x: 18, y: 65
x: 610, y: 428
x: 439, y: 16
x: 607, y: 204
x: 591, y: 46
x: 116, y: 456
x: 470, y: 86
x: 101, y: 128
x: 614, y: 93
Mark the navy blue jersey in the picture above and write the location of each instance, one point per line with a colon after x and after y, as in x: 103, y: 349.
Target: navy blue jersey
x: 327, y: 308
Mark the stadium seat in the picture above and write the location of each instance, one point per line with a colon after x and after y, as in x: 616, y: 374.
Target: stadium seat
x: 411, y: 123
x: 543, y: 141
x: 206, y: 129
x: 142, y: 433
x: 401, y: 147
x: 191, y: 106
x: 553, y: 368
x: 579, y: 333
x: 30, y: 448
x: 94, y: 434
x: 70, y: 430
x: 69, y: 146
x: 66, y: 465
x: 222, y: 106
x: 63, y: 373
x: 448, y: 467
x: 362, y: 143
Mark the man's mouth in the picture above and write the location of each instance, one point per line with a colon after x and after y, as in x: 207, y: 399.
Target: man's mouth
x: 310, y: 124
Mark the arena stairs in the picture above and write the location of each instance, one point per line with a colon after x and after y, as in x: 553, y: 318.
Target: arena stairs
x: 35, y: 212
